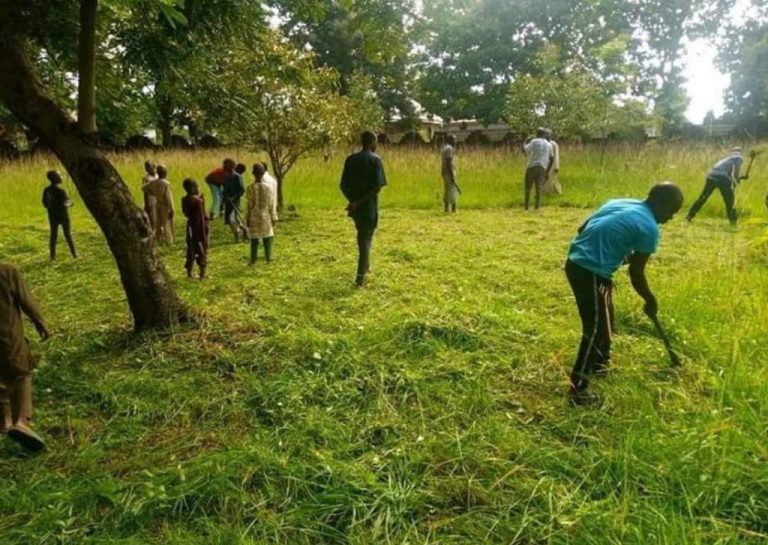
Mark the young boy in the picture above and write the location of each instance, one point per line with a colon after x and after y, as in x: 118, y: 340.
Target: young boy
x: 56, y: 201
x: 193, y: 208
x: 234, y: 189
x: 260, y: 214
x: 159, y: 190
x: 16, y: 362
x: 149, y: 176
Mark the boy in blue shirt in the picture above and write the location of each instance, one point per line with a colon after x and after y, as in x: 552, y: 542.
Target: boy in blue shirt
x: 621, y: 230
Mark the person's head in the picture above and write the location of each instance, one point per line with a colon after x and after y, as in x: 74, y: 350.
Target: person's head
x: 450, y: 139
x: 229, y: 165
x: 665, y: 200
x: 149, y: 167
x: 549, y: 134
x: 190, y: 186
x: 541, y: 132
x: 736, y: 151
x: 266, y: 167
x: 258, y: 171
x: 368, y: 140
x: 240, y: 168
x: 162, y: 172
x: 53, y: 177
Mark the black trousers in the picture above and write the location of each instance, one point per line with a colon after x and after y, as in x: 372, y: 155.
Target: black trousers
x: 364, y: 243
x: 62, y: 221
x: 196, y: 253
x: 594, y: 299
x: 725, y: 186
x: 535, y: 177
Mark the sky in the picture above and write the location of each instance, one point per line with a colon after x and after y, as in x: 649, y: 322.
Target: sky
x: 706, y: 84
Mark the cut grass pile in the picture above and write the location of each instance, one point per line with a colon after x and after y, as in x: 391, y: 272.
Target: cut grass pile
x: 428, y: 408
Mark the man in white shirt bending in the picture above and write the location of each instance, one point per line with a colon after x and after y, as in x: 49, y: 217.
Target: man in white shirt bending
x: 540, y: 159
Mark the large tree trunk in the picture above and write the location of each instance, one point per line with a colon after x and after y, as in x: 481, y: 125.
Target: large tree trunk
x: 86, y: 87
x: 151, y: 297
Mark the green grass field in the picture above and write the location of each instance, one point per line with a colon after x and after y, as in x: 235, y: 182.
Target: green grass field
x: 428, y: 408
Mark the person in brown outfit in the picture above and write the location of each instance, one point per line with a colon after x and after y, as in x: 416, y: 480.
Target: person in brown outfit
x: 16, y: 361
x: 193, y: 207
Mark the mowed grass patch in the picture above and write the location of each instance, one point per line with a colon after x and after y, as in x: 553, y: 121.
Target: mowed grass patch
x: 428, y: 408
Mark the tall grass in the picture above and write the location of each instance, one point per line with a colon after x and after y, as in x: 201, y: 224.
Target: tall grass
x: 489, y: 178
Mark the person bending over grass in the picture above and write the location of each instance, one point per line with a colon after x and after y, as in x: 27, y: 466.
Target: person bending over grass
x: 16, y: 361
x: 724, y: 176
x: 234, y: 189
x: 193, y: 208
x: 215, y: 180
x: 260, y: 214
x: 540, y: 159
x: 362, y: 179
x: 56, y: 202
x: 621, y: 230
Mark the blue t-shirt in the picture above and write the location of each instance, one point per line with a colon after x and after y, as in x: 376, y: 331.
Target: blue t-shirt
x: 619, y: 228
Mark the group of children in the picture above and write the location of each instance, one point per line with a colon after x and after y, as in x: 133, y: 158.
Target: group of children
x: 227, y: 188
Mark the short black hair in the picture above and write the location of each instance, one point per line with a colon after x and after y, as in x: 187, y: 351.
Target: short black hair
x: 190, y: 186
x: 258, y: 169
x: 229, y: 163
x: 149, y: 166
x: 162, y: 171
x: 53, y: 177
x: 266, y: 167
x: 368, y: 137
x: 664, y: 192
x: 240, y: 168
x: 541, y: 132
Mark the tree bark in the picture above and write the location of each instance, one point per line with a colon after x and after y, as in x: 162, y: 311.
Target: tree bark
x: 86, y: 87
x: 151, y: 298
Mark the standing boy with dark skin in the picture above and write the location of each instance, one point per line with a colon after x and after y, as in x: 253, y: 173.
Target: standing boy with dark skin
x: 362, y: 179
x: 193, y: 207
x: 56, y: 201
x: 621, y: 230
x: 451, y: 189
x: 16, y: 361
